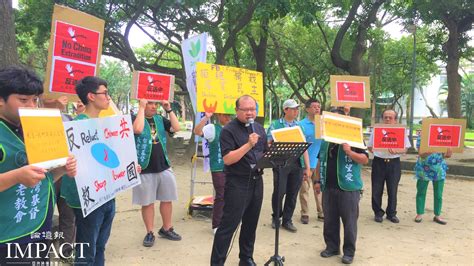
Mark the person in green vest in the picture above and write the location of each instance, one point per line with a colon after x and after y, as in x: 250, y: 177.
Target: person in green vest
x: 26, y: 191
x: 94, y: 229
x: 158, y: 179
x: 290, y: 178
x: 212, y: 133
x: 338, y: 176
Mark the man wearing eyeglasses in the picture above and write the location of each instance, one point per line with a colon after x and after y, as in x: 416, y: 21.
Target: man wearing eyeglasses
x: 242, y: 144
x: 386, y: 169
x: 290, y: 178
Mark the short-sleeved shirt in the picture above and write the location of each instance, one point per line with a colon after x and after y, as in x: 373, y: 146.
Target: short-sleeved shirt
x: 386, y: 154
x: 313, y: 150
x: 431, y: 168
x: 233, y: 136
x: 157, y: 159
x: 331, y: 171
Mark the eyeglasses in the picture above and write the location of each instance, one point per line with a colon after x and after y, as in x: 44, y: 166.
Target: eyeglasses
x: 247, y: 110
x: 106, y: 93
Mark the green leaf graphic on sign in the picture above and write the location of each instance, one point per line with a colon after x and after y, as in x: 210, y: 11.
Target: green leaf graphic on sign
x: 195, y: 48
x: 229, y: 109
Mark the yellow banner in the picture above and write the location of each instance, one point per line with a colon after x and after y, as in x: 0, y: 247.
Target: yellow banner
x: 288, y: 134
x: 44, y: 135
x: 343, y: 129
x: 217, y: 88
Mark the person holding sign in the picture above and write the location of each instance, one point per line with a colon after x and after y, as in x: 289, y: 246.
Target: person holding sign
x: 26, y: 191
x: 313, y: 107
x: 212, y: 133
x: 95, y: 228
x: 430, y: 167
x: 386, y: 169
x: 292, y: 177
x: 243, y: 143
x: 339, y: 167
x: 158, y: 179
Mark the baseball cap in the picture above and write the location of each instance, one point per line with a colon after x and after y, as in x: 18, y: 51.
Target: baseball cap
x: 290, y: 103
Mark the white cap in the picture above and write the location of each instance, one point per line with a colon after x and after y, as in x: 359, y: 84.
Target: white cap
x: 290, y: 103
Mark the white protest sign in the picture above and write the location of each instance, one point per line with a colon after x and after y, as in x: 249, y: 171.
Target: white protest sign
x: 106, y: 158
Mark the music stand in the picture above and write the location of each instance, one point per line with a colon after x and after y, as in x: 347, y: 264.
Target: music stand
x: 280, y: 155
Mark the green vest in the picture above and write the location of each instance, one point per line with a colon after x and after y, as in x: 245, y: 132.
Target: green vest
x: 68, y: 185
x: 348, y: 171
x: 143, y: 141
x: 277, y: 124
x: 215, y: 156
x: 24, y: 209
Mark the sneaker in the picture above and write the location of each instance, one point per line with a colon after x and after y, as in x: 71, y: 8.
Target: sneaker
x: 393, y: 219
x: 304, y: 219
x: 170, y: 234
x: 289, y: 227
x: 149, y: 239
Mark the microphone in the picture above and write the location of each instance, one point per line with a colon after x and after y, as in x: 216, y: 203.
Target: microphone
x: 251, y: 121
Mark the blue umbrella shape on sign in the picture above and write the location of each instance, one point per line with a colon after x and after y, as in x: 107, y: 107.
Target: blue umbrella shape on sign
x: 105, y: 155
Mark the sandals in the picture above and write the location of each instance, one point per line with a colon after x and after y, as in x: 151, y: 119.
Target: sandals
x: 418, y: 219
x: 439, y: 221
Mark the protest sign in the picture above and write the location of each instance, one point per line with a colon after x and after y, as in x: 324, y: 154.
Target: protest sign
x: 45, y: 141
x: 388, y: 136
x: 106, y: 158
x: 218, y: 87
x: 340, y: 129
x: 288, y: 134
x: 350, y: 90
x: 438, y: 134
x: 152, y: 86
x: 75, y: 47
x: 111, y: 111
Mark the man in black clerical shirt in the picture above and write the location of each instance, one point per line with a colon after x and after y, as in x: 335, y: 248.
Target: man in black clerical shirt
x: 242, y: 144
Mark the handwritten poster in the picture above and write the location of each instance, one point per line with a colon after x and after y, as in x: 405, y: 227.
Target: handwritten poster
x: 74, y: 51
x: 340, y: 129
x: 438, y: 134
x: 288, y: 134
x: 219, y: 86
x: 350, y: 90
x: 107, y: 164
x: 389, y: 137
x: 45, y: 145
x: 152, y: 86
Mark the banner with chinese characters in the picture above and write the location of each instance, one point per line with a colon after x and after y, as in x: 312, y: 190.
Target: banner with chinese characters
x: 350, y: 90
x: 389, y: 137
x: 106, y: 158
x: 438, y: 134
x: 152, y: 86
x: 219, y: 86
x: 45, y: 145
x: 75, y: 47
x: 288, y: 134
x: 341, y: 129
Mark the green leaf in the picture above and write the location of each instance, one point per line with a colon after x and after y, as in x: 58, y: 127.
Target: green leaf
x: 195, y: 48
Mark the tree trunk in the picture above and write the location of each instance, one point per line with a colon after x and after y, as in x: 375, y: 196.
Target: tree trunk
x: 451, y: 48
x: 8, y: 51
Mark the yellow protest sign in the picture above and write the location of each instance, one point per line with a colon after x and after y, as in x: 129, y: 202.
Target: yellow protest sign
x: 288, y: 134
x: 217, y: 88
x: 45, y: 145
x: 340, y: 129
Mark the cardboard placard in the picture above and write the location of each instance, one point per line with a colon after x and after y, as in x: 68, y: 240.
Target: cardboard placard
x: 218, y: 87
x: 318, y: 127
x: 341, y: 129
x: 152, y: 86
x: 111, y: 111
x: 106, y: 156
x: 75, y: 48
x: 438, y: 134
x: 389, y: 136
x: 350, y: 90
x: 45, y: 141
x: 288, y: 134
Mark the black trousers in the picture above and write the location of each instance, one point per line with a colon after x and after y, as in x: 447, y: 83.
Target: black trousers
x: 289, y: 186
x: 385, y: 171
x: 340, y: 205
x: 242, y: 202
